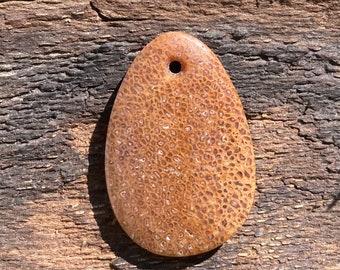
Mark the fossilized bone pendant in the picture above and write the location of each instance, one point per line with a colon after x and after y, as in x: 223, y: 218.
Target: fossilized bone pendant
x: 179, y: 159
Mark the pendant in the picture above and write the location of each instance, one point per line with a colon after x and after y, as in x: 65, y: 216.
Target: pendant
x: 179, y: 159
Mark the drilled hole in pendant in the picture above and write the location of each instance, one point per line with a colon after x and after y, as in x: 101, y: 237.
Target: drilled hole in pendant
x: 175, y: 67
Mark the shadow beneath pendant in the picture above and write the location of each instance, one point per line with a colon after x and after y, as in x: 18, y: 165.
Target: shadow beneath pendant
x: 145, y: 260
x: 128, y: 253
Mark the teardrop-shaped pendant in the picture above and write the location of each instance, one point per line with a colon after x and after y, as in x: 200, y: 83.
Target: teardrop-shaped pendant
x: 179, y: 159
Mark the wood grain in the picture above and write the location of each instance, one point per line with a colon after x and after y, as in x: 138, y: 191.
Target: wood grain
x: 60, y: 66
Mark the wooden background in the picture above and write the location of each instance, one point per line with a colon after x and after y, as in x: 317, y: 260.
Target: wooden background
x: 61, y: 62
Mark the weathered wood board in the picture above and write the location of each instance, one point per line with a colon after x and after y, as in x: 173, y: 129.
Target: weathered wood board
x: 60, y: 66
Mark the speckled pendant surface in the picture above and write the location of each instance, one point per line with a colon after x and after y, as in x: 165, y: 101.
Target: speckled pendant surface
x: 179, y: 159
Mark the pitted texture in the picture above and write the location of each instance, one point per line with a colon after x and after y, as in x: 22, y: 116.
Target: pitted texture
x: 180, y: 167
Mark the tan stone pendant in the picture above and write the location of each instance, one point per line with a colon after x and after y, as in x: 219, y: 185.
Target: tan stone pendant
x: 179, y: 159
